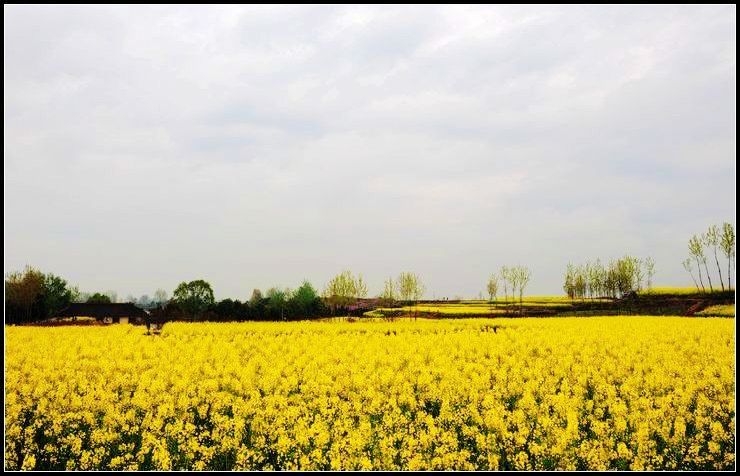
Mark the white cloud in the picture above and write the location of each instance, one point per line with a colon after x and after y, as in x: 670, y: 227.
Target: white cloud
x: 256, y: 146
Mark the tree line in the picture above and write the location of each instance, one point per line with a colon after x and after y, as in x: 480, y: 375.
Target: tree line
x: 511, y: 278
x: 615, y: 279
x: 407, y: 287
x: 195, y: 300
x: 32, y: 296
x: 699, y: 245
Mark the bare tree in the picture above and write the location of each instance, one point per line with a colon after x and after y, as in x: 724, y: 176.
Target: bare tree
x: 687, y: 266
x: 649, y: 271
x: 638, y: 273
x: 712, y: 239
x: 513, y: 282
x: 112, y: 295
x: 703, y: 258
x: 389, y: 292
x: 160, y: 298
x: 522, y: 275
x: 505, y: 279
x: 696, y: 250
x: 145, y: 302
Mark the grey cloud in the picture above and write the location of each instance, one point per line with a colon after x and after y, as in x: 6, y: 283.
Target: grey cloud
x: 258, y: 146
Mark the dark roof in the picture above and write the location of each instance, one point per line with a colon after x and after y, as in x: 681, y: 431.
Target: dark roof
x: 100, y: 310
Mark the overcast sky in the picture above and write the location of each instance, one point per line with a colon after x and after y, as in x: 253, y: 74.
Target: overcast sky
x: 258, y: 146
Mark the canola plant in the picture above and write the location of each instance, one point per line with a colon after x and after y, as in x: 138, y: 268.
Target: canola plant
x: 563, y: 393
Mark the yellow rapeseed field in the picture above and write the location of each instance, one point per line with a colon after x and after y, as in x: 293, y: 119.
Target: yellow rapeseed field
x: 722, y: 310
x: 677, y: 290
x: 561, y: 393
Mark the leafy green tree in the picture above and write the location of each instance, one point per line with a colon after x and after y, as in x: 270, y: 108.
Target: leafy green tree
x: 569, y: 284
x: 492, y: 287
x: 580, y: 282
x: 75, y: 294
x: 389, y: 292
x: 56, y: 294
x: 618, y: 278
x: 195, y: 297
x: 727, y: 243
x: 277, y: 299
x: 596, y: 279
x: 99, y: 298
x: 256, y: 296
x: 257, y: 304
x: 360, y: 288
x: 341, y: 290
x: 229, y: 310
x: 83, y: 296
x: 23, y: 291
x: 305, y: 301
x: 625, y: 275
x: 696, y: 250
x: 613, y: 278
x: 638, y: 273
x: 410, y: 288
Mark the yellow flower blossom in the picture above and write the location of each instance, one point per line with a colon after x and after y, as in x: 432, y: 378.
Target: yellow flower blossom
x: 539, y: 394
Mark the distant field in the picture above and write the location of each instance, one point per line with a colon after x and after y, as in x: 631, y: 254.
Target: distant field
x: 525, y: 299
x: 445, y: 310
x: 564, y: 393
x: 727, y: 310
x: 658, y: 301
x: 677, y: 290
x: 477, y: 308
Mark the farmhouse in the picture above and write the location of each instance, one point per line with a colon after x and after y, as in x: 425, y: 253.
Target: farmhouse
x: 109, y: 313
